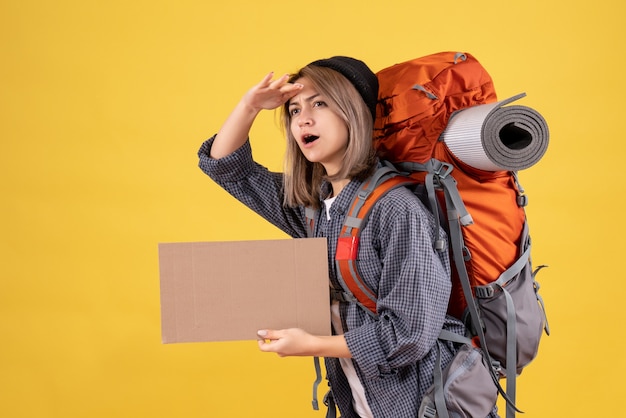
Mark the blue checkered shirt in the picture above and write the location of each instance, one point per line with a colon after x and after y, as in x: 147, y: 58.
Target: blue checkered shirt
x: 394, y: 354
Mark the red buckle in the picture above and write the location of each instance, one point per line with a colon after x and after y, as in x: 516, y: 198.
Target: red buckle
x: 347, y: 248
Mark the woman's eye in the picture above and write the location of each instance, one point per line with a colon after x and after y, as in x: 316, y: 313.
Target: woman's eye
x: 294, y: 112
x: 319, y: 103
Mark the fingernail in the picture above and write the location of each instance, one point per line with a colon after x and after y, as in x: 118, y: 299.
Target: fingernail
x: 262, y: 333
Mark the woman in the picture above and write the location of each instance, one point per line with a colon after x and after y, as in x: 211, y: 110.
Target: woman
x: 377, y: 366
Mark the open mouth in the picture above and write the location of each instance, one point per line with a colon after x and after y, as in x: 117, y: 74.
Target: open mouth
x: 307, y: 139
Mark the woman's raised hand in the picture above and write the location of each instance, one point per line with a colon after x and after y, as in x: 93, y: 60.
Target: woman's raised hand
x: 270, y: 94
x: 267, y: 94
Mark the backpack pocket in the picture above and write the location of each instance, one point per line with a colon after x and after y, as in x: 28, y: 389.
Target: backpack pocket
x: 466, y: 388
x: 514, y: 311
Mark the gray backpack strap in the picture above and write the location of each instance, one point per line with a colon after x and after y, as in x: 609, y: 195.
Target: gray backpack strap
x: 439, y: 173
x: 458, y: 251
x: 329, y: 400
x: 514, y: 300
x: 511, y: 331
x: 540, y: 299
x: 318, y: 380
x: 310, y: 217
x: 438, y: 176
x: 440, y: 401
x: 454, y: 337
x: 363, y: 193
x: 428, y: 94
x: 353, y: 287
x: 453, y: 197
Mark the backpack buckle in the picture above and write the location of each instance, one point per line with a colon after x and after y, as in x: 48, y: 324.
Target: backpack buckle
x: 442, y: 169
x: 522, y: 201
x: 440, y: 244
x: 429, y: 412
x: 363, y: 194
x: 496, y: 366
x: 484, y: 292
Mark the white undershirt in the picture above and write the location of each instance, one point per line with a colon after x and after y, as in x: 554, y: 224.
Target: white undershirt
x: 358, y: 392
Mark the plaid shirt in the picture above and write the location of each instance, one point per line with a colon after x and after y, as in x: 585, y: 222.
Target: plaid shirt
x: 394, y: 355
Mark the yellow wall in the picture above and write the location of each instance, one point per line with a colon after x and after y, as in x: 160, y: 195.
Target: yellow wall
x: 103, y: 105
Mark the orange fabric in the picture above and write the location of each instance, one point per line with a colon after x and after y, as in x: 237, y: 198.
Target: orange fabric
x: 407, y: 128
x: 494, y: 237
x: 404, y: 113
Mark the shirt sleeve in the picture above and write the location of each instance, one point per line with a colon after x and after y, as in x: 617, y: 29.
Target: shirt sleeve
x: 413, y: 290
x: 254, y: 185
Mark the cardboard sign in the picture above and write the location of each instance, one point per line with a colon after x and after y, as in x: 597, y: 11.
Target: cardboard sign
x: 226, y: 291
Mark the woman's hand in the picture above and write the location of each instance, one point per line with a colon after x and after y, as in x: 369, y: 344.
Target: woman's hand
x: 267, y: 94
x: 270, y: 94
x: 296, y: 342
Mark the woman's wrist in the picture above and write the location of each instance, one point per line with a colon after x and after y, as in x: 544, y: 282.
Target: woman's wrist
x: 332, y: 346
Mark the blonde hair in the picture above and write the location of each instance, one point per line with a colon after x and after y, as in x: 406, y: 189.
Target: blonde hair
x: 302, y: 178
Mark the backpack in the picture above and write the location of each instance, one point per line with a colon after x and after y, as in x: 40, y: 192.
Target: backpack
x: 494, y: 290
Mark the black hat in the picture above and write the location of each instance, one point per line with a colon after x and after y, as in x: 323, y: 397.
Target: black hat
x: 359, y: 74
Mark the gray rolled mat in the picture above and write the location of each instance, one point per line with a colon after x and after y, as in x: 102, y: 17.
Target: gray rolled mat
x: 494, y: 137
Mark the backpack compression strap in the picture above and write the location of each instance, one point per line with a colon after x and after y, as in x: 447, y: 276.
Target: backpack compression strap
x: 354, y: 288
x: 458, y: 253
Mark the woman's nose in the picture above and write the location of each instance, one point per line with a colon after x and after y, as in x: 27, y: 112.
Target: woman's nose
x: 304, y: 118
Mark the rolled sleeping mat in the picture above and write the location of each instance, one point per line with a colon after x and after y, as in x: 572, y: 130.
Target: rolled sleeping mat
x: 495, y: 137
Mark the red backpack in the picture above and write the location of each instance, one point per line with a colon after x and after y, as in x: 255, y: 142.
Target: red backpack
x: 493, y: 287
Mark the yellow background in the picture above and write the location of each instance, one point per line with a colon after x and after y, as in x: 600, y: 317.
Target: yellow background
x: 103, y: 105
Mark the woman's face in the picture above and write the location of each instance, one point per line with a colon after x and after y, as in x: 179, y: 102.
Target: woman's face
x: 319, y: 131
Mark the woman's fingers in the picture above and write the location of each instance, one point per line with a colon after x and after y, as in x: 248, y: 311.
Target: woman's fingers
x: 270, y: 94
x: 267, y: 340
x: 279, y: 82
x: 285, y: 342
x: 265, y: 334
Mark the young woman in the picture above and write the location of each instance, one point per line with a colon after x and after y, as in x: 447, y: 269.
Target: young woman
x: 377, y: 366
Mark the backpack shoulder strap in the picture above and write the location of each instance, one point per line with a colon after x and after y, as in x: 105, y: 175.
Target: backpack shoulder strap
x: 366, y: 189
x: 310, y: 214
x: 354, y: 288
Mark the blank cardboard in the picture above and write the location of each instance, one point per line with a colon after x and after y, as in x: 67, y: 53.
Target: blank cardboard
x: 226, y: 291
